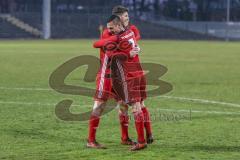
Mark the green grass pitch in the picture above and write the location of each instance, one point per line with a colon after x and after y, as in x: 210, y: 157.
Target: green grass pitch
x: 201, y: 124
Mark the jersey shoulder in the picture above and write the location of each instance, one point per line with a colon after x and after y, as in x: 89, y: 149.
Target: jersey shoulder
x: 133, y: 27
x: 136, y: 31
x: 105, y: 33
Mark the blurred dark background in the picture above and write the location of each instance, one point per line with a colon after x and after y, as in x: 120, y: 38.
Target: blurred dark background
x: 82, y: 18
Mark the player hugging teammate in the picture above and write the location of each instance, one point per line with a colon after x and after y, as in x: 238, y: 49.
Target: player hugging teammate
x: 121, y: 77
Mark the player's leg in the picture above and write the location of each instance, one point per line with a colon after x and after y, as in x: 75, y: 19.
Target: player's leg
x: 146, y: 114
x: 124, y: 122
x: 147, y: 123
x: 101, y: 95
x: 120, y: 88
x: 97, y: 110
x: 129, y: 94
x: 139, y: 124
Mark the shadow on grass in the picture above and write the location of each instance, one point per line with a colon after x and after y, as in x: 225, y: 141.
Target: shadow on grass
x: 44, y: 136
x: 209, y: 148
x: 205, y: 148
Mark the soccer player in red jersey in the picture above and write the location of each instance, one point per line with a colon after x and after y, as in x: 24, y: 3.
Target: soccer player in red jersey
x: 122, y: 12
x: 126, y: 84
x: 104, y: 92
x: 104, y: 89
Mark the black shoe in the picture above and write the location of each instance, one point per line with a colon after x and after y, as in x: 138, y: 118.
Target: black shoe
x: 150, y: 139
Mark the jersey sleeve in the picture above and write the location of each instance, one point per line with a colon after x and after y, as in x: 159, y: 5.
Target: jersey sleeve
x: 105, y: 37
x: 136, y: 32
x: 105, y: 34
x: 100, y: 43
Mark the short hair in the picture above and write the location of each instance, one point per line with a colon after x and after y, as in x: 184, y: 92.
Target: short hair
x: 118, y: 10
x: 114, y: 18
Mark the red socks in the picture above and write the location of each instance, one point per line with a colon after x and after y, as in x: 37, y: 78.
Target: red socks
x: 93, y: 125
x: 142, y: 119
x: 124, y: 118
x: 147, y: 121
x: 139, y: 124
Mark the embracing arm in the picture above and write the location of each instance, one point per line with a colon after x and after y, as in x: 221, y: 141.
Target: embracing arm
x: 100, y: 43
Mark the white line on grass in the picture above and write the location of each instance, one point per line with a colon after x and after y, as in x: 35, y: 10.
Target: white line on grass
x: 161, y: 109
x: 197, y: 111
x: 203, y: 101
x: 26, y: 89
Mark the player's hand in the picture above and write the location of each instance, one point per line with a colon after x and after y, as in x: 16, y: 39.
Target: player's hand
x: 135, y: 51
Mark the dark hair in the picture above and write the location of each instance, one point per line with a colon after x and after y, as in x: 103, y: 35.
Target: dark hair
x: 114, y: 18
x: 118, y: 10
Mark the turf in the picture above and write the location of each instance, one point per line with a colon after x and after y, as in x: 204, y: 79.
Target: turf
x: 183, y: 129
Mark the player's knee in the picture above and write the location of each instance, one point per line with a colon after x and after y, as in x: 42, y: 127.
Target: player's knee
x: 98, y: 108
x: 142, y: 104
x: 136, y: 107
x: 96, y: 104
x: 123, y: 109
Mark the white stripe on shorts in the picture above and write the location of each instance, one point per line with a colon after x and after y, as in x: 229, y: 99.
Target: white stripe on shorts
x: 102, y: 77
x: 125, y: 89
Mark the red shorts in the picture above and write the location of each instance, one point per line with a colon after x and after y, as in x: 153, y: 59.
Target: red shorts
x: 128, y: 79
x: 104, y: 90
x: 103, y: 81
x: 143, y: 84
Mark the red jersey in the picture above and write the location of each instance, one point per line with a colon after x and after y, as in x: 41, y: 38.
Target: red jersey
x: 108, y: 35
x: 104, y: 35
x: 128, y: 35
x: 135, y: 31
